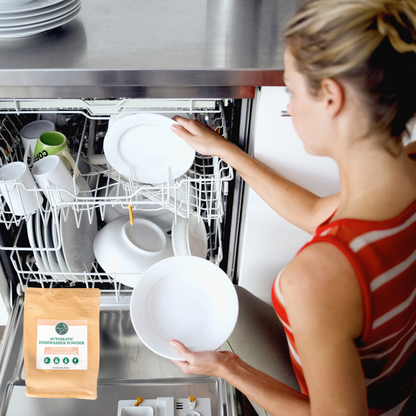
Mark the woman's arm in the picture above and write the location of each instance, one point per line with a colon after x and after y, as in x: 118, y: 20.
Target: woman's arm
x: 273, y: 396
x: 294, y: 203
x: 324, y: 306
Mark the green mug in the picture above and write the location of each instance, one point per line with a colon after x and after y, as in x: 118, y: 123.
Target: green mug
x: 54, y: 143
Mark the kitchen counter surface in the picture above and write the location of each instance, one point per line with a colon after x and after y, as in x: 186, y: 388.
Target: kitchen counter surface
x: 158, y: 48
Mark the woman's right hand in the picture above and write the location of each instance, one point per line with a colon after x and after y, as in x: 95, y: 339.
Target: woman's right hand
x: 199, y: 136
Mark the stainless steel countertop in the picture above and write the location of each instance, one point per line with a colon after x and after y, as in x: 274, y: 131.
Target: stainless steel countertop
x: 153, y: 48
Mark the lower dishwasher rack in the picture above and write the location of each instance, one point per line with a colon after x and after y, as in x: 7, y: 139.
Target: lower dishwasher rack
x: 200, y: 194
x: 127, y: 370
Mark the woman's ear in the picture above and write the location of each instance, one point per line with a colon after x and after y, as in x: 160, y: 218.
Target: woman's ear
x: 334, y: 96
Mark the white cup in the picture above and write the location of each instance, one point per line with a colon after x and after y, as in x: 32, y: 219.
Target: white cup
x: 30, y: 133
x: 51, y: 173
x: 15, y: 182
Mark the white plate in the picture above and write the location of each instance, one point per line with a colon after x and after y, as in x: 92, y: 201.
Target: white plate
x: 60, y: 253
x: 51, y: 254
x: 143, y: 147
x: 40, y: 243
x: 77, y: 243
x: 189, y: 237
x: 33, y: 5
x: 36, y: 12
x: 26, y: 22
x: 42, y: 28
x: 123, y: 260
x: 183, y: 298
x: 31, y: 223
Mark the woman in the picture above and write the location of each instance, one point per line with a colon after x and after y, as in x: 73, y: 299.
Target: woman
x: 348, y: 299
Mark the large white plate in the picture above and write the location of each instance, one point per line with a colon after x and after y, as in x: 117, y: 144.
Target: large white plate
x: 77, y: 243
x: 183, y: 298
x: 36, y: 12
x: 189, y: 237
x: 26, y: 22
x: 40, y: 28
x: 119, y: 258
x: 143, y: 147
x: 31, y: 223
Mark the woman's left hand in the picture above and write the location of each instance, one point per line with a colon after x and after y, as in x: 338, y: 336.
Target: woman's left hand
x: 210, y: 363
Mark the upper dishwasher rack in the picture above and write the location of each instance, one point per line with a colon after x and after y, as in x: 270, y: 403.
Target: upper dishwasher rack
x: 201, y: 192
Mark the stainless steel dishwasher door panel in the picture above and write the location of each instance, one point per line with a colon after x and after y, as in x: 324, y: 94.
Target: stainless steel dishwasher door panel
x: 122, y: 354
x: 128, y: 369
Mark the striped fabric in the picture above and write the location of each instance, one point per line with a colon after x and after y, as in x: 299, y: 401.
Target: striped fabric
x: 383, y: 255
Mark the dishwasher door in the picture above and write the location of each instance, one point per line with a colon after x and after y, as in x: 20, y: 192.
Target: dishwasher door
x: 127, y: 370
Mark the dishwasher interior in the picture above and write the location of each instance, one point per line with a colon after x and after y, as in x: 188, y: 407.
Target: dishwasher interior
x: 127, y: 368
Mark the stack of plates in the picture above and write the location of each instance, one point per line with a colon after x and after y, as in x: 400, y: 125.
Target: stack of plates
x: 18, y: 20
x: 75, y: 254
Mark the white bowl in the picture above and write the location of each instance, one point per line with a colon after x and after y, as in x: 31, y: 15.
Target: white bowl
x: 184, y: 298
x: 120, y: 247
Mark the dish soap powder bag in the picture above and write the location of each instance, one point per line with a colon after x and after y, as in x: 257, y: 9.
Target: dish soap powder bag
x: 61, y: 342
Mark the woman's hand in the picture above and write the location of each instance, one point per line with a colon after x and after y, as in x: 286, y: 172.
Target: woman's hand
x: 209, y: 363
x: 199, y: 136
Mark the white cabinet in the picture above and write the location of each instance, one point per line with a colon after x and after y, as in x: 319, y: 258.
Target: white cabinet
x: 267, y: 241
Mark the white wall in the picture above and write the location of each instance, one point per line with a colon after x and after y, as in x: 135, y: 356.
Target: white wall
x: 267, y: 241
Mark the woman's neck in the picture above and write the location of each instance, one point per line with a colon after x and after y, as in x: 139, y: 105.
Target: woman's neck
x: 378, y: 180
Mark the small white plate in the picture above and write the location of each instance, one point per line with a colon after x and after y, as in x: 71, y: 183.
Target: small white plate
x: 189, y: 237
x: 77, y: 242
x: 143, y: 148
x: 31, y: 223
x: 41, y: 28
x: 184, y: 298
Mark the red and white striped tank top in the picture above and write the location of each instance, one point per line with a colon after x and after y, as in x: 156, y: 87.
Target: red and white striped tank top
x: 383, y: 254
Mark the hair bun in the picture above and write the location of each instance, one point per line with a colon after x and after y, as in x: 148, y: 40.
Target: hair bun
x: 396, y: 19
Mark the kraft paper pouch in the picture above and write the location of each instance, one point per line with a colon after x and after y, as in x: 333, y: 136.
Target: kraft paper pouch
x: 61, y: 342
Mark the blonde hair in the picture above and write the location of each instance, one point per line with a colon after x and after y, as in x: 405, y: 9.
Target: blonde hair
x: 370, y: 43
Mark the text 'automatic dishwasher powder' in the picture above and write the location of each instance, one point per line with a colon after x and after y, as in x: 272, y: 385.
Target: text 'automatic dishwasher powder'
x: 61, y: 342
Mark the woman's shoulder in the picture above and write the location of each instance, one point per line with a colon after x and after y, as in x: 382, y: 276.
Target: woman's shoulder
x: 320, y: 281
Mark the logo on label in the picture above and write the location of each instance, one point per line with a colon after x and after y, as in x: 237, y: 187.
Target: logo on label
x: 61, y: 328
x: 47, y: 360
x: 75, y: 360
x: 56, y: 360
x: 65, y: 360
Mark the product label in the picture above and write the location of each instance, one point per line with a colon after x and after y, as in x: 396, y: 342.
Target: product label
x: 62, y: 345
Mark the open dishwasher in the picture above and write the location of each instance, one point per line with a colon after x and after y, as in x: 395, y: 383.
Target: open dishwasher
x: 128, y: 369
